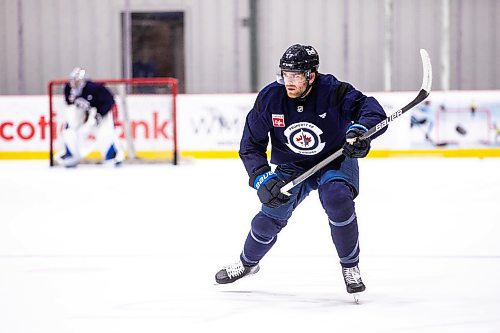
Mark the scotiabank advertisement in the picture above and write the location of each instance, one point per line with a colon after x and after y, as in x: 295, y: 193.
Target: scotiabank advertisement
x: 24, y: 126
x: 213, y: 123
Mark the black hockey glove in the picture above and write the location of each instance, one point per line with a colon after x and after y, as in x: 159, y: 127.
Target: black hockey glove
x: 354, y: 147
x: 268, y: 187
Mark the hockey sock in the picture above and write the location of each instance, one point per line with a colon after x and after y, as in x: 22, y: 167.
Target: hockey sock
x: 261, y: 238
x: 337, y: 200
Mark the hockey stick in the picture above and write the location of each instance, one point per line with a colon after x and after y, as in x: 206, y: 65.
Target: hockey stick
x: 422, y: 95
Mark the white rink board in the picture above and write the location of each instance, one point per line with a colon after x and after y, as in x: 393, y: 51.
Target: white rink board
x: 215, y: 122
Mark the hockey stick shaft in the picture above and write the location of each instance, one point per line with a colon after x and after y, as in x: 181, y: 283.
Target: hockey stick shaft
x: 422, y: 95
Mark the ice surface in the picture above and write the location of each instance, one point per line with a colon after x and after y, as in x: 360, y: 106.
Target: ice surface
x: 135, y: 249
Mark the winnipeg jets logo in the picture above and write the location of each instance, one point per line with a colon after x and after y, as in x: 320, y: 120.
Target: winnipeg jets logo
x: 323, y: 115
x: 304, y: 138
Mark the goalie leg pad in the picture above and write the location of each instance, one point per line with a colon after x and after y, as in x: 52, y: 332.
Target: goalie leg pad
x: 66, y: 158
x: 261, y: 238
x: 76, y: 133
x: 70, y: 157
x: 107, y: 139
x: 111, y: 153
x: 337, y: 200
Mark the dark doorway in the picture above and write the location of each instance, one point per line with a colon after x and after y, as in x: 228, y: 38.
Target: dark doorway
x: 158, y: 45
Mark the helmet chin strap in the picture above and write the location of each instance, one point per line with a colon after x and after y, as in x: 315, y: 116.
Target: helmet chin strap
x: 308, y: 87
x: 306, y: 91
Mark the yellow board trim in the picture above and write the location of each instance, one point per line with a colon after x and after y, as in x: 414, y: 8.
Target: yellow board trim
x: 411, y: 153
x: 453, y: 153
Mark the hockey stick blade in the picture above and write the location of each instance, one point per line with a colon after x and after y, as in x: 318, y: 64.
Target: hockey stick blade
x: 422, y: 95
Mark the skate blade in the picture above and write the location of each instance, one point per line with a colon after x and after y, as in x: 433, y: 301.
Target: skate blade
x: 356, y: 298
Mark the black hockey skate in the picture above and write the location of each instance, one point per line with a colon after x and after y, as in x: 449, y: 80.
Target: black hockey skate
x: 353, y: 282
x: 231, y: 273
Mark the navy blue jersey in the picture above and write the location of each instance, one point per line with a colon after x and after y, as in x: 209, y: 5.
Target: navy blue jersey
x: 96, y: 94
x: 304, y: 132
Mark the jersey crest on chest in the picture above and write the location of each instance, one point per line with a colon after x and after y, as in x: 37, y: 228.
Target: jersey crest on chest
x: 304, y: 138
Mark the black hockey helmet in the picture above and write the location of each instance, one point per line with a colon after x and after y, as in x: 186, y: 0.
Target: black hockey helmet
x: 301, y: 58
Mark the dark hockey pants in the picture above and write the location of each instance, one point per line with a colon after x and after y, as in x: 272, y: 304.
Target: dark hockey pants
x: 338, y: 202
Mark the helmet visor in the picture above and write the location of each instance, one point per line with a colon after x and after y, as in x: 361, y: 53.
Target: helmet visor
x: 293, y: 76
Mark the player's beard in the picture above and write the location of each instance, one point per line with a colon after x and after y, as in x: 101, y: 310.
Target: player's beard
x: 295, y: 91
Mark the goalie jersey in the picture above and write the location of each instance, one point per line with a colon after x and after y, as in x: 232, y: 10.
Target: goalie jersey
x: 92, y: 94
x: 305, y: 131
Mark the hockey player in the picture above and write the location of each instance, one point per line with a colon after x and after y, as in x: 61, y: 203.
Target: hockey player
x: 422, y: 118
x: 89, y: 113
x: 308, y: 116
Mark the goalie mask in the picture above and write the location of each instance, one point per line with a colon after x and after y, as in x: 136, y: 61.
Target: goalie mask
x: 76, y: 82
x: 299, y: 58
x: 77, y: 78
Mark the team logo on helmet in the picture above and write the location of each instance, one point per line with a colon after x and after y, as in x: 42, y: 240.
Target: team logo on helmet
x: 304, y: 138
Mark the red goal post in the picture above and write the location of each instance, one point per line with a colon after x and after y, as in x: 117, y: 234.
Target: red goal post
x: 135, y: 97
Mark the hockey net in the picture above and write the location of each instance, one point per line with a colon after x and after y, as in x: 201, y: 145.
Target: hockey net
x: 144, y: 116
x: 464, y: 126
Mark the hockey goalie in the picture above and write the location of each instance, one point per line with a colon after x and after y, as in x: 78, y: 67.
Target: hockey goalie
x: 88, y: 122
